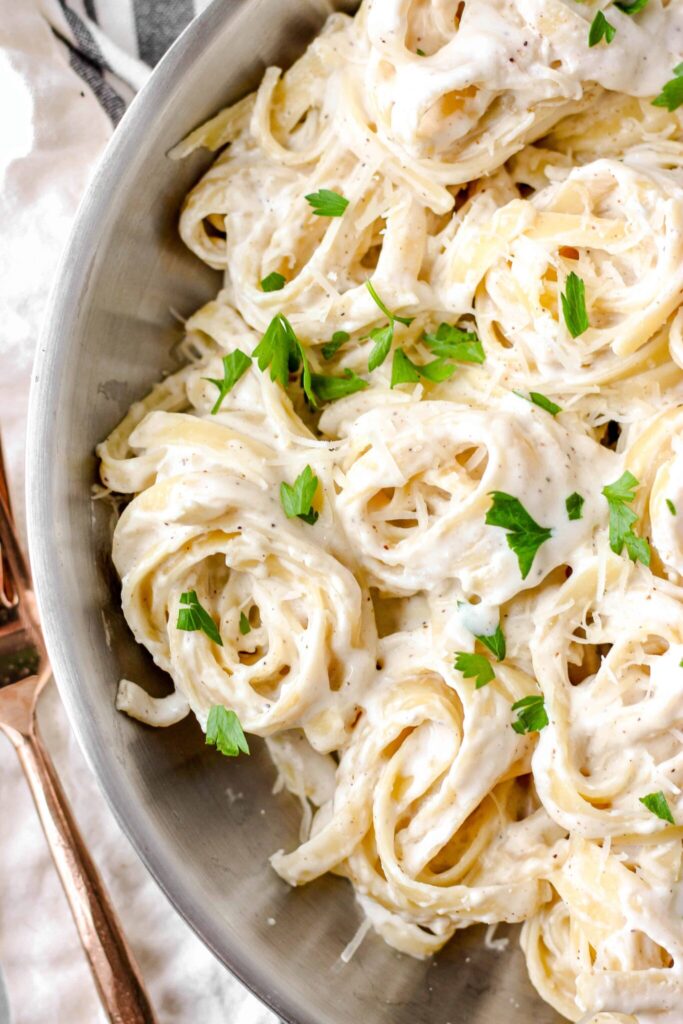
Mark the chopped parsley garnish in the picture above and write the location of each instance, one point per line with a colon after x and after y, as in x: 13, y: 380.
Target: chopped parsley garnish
x: 329, y: 389
x: 273, y: 282
x: 622, y: 519
x: 671, y: 507
x: 405, y: 371
x: 536, y: 398
x: 574, y: 306
x: 420, y: 52
x: 657, y: 804
x: 192, y: 616
x: 671, y: 95
x: 633, y: 8
x: 224, y: 731
x: 235, y: 365
x: 244, y: 624
x: 525, y: 536
x: 297, y: 499
x: 326, y: 203
x: 450, y: 342
x: 574, y: 505
x: 600, y: 29
x: 406, y: 320
x: 495, y: 643
x: 330, y: 349
x: 474, y: 666
x: 531, y: 715
x: 382, y: 338
x: 280, y: 350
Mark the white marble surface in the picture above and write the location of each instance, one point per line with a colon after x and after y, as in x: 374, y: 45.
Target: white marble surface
x: 51, y: 135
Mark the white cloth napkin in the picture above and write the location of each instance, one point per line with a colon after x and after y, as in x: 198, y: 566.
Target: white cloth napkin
x: 52, y: 130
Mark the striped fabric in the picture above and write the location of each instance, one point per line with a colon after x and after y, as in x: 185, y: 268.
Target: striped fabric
x: 113, y: 44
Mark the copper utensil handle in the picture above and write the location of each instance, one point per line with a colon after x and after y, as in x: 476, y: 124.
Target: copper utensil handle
x: 119, y: 985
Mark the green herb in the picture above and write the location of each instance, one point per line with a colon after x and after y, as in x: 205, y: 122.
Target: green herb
x: 407, y: 320
x: 495, y: 643
x: 224, y: 731
x: 339, y: 338
x: 680, y: 664
x: 329, y: 389
x: 278, y: 349
x: 325, y: 203
x: 191, y: 616
x: 671, y: 95
x: 382, y: 338
x: 574, y: 506
x: 235, y: 365
x: 525, y: 536
x: 622, y: 519
x: 420, y: 53
x: 671, y: 507
x: 474, y: 666
x: 453, y: 343
x: 405, y: 371
x: 531, y: 715
x: 244, y: 624
x: 574, y: 306
x: 541, y: 401
x: 633, y: 8
x: 297, y: 500
x: 273, y: 283
x: 600, y: 29
x: 657, y: 804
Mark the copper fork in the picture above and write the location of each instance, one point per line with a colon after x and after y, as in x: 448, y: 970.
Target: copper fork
x: 24, y: 670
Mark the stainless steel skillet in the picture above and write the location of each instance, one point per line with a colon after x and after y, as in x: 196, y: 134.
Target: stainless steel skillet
x: 204, y: 826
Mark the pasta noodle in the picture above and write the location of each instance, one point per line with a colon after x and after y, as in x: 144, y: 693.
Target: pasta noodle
x: 412, y: 509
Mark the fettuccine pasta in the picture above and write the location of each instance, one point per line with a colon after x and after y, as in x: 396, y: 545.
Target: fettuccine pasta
x: 413, y: 509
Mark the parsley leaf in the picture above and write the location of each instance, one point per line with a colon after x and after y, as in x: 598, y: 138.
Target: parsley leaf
x: 622, y: 519
x: 382, y: 338
x: 407, y: 320
x: 574, y: 306
x: 420, y: 52
x: 328, y: 389
x: 281, y: 350
x: 536, y: 398
x: 297, y: 500
x: 671, y: 95
x: 326, y: 203
x: 574, y: 506
x: 405, y: 371
x: 657, y: 804
x: 224, y: 731
x: 531, y: 715
x: 525, y: 536
x: 633, y: 8
x: 671, y: 507
x: 474, y: 666
x: 273, y: 282
x: 192, y: 616
x: 244, y: 624
x: 600, y: 29
x: 339, y: 338
x: 235, y: 365
x: 277, y: 349
x: 453, y: 343
x: 495, y: 643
